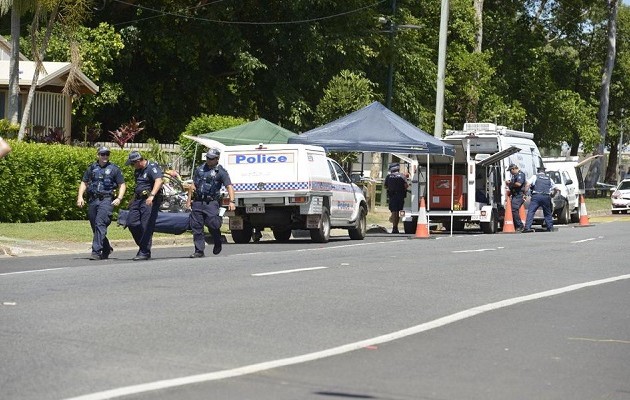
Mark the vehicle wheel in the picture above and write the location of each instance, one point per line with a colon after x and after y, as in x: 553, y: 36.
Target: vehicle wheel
x: 564, y: 215
x: 242, y: 236
x: 281, y: 234
x: 411, y: 226
x: 575, y: 217
x: 359, y: 231
x: 491, y: 226
x: 322, y: 233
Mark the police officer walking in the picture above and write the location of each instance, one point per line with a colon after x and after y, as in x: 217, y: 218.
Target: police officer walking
x: 207, y: 181
x: 396, y: 186
x: 516, y: 185
x: 101, y: 180
x: 542, y: 192
x: 145, y: 205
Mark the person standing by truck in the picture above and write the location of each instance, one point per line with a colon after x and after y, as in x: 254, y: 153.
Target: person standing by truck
x: 207, y: 181
x: 396, y: 186
x: 516, y: 186
x: 100, y: 180
x: 542, y: 191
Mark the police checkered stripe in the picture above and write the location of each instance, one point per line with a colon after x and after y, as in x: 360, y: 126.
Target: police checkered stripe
x: 254, y: 187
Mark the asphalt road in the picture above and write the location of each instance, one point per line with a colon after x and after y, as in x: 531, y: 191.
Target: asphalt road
x: 506, y: 316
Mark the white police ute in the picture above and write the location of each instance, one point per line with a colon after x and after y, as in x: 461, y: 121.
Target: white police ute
x: 289, y: 187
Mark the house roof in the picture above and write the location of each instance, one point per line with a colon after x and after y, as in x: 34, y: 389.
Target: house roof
x: 52, y: 78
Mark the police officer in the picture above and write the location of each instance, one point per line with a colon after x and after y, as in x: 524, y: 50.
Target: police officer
x: 145, y: 205
x: 516, y: 185
x: 542, y: 191
x: 207, y: 181
x: 101, y: 180
x: 396, y: 186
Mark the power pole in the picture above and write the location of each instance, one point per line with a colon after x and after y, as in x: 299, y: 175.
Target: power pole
x: 441, y: 71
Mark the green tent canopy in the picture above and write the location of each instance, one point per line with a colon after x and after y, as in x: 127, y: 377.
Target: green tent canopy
x: 259, y: 131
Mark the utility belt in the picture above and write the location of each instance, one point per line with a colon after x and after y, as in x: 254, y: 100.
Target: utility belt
x: 145, y: 195
x: 545, y: 194
x: 205, y: 197
x: 99, y: 196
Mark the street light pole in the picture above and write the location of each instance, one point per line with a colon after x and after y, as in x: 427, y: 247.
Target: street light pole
x: 390, y: 70
x: 439, y: 95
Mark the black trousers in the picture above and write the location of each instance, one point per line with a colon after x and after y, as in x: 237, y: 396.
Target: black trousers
x: 205, y: 213
x: 141, y: 224
x: 100, y: 216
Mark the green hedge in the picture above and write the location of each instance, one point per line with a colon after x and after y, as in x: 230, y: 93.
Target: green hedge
x: 39, y: 182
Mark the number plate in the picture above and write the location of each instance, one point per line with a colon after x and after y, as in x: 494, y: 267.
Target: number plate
x: 255, y: 209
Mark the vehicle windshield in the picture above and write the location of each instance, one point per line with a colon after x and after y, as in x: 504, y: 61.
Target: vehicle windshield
x: 625, y: 185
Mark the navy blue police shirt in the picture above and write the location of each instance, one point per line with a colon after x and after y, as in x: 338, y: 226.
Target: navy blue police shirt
x: 145, y: 178
x: 208, y: 180
x: 520, y: 178
x: 396, y: 185
x: 102, y: 180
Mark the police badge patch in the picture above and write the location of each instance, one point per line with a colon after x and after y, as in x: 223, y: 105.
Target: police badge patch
x: 154, y: 170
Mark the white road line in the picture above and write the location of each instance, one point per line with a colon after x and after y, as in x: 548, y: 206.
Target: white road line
x: 32, y: 271
x: 288, y: 271
x: 584, y: 240
x: 250, y: 369
x: 472, y: 251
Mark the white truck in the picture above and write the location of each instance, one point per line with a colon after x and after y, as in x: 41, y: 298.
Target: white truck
x: 289, y: 187
x: 471, y: 187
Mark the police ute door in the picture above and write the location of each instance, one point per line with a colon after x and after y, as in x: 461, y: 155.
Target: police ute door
x: 343, y: 199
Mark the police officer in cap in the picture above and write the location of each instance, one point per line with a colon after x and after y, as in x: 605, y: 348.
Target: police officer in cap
x: 145, y: 205
x: 542, y: 191
x: 516, y: 185
x: 101, y: 180
x: 207, y: 181
x: 396, y: 186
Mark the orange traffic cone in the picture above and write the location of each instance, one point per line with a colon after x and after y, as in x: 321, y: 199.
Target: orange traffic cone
x: 583, y: 215
x: 422, y: 228
x: 508, y: 220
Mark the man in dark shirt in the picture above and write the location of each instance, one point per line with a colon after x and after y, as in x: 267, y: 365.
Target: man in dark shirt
x: 516, y: 185
x: 396, y: 186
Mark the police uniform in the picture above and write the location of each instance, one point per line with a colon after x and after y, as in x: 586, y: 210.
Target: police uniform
x: 541, y: 188
x: 517, y: 195
x: 101, y: 182
x: 205, y: 206
x: 396, y: 186
x: 141, y: 218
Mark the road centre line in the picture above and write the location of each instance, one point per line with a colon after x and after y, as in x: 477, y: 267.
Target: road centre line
x: 264, y: 366
x: 288, y: 271
x: 32, y: 271
x: 583, y: 240
x: 473, y: 251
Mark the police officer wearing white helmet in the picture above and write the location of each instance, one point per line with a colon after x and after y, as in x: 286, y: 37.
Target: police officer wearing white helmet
x: 101, y: 180
x: 542, y: 191
x: 205, y: 202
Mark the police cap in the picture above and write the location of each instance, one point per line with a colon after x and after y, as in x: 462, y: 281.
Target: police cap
x: 213, y: 153
x: 512, y: 166
x: 393, y: 167
x: 102, y: 150
x: 133, y: 157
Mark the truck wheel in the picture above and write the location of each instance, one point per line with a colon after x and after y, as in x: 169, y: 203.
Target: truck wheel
x: 242, y: 236
x: 359, y: 231
x: 564, y: 214
x: 492, y: 225
x: 281, y: 234
x: 322, y: 233
x: 411, y: 226
x: 575, y: 217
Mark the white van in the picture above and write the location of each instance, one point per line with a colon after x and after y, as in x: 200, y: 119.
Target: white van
x: 289, y: 187
x: 483, y: 152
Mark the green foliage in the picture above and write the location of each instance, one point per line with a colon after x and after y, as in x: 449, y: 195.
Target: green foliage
x: 40, y: 182
x: 191, y: 151
x: 7, y: 129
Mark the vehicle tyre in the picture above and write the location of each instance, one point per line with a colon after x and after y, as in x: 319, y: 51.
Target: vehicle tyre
x: 564, y: 216
x: 575, y: 217
x: 281, y: 234
x: 359, y: 231
x: 322, y: 233
x: 411, y: 226
x: 242, y: 236
x: 492, y: 225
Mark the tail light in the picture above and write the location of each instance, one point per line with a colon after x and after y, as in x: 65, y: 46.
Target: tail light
x: 298, y: 200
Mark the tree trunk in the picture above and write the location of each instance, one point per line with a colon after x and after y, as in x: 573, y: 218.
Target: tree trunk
x: 14, y: 74
x: 594, y: 172
x: 478, y: 4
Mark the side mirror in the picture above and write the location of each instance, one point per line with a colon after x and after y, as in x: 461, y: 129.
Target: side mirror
x: 569, y: 182
x: 355, y: 178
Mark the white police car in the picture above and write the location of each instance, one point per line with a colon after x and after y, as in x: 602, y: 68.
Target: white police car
x: 289, y: 187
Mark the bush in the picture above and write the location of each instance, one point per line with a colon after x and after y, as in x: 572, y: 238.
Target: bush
x: 39, y: 182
